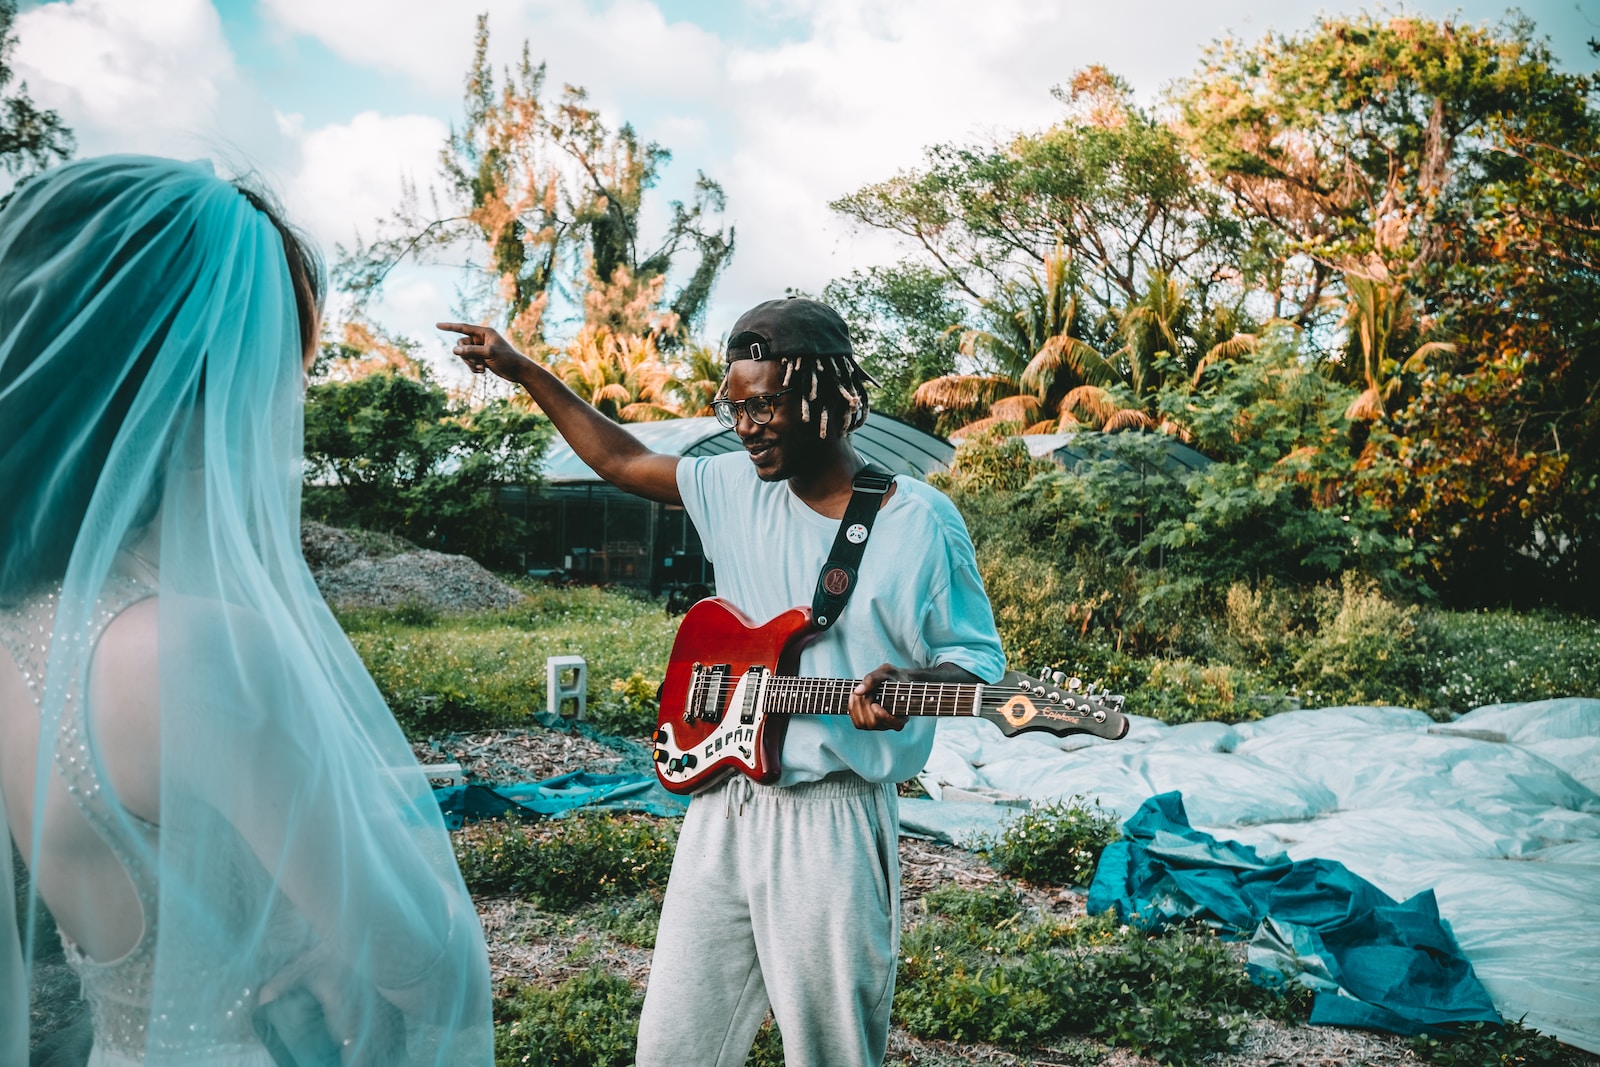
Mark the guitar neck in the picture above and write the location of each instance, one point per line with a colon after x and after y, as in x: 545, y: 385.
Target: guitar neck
x: 786, y: 695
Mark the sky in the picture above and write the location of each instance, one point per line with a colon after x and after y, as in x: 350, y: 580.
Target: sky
x: 788, y: 104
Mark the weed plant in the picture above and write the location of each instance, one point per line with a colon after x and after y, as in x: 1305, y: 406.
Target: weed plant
x: 569, y: 862
x: 1055, y: 844
x: 590, y: 1020
x: 1486, y: 1045
x: 967, y: 976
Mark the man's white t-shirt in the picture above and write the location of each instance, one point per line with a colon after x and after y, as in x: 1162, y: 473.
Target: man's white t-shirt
x: 918, y: 603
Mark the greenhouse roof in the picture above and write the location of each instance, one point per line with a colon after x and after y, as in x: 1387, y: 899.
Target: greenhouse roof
x: 896, y: 446
x: 1071, y: 449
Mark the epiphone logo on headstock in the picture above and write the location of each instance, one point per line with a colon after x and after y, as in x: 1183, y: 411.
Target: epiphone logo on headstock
x: 1019, y: 711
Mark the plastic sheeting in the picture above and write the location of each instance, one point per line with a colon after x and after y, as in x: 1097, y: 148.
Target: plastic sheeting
x: 1373, y: 961
x: 557, y: 796
x: 1498, y: 813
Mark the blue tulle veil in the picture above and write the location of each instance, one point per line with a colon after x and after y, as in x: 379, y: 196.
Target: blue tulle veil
x: 150, y: 398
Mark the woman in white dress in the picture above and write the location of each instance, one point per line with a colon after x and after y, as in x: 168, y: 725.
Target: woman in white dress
x: 210, y: 796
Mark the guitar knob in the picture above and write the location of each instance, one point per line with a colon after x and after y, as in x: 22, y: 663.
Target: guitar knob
x: 659, y: 755
x: 689, y: 760
x: 660, y: 736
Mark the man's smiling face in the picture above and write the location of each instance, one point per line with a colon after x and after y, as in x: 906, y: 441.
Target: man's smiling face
x: 784, y: 447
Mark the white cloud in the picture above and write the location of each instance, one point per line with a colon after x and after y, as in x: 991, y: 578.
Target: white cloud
x: 131, y: 75
x: 623, y: 44
x: 350, y: 173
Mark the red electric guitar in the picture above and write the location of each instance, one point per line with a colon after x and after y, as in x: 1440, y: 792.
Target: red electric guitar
x: 728, y: 677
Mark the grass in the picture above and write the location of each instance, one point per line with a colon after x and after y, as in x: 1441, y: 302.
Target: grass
x: 487, y: 669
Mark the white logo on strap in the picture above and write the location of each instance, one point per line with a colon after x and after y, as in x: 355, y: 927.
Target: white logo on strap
x: 856, y: 534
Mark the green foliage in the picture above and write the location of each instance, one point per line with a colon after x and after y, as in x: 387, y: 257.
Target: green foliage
x: 1054, y: 844
x: 1496, y: 657
x: 590, y: 1020
x: 986, y: 906
x: 632, y: 921
x: 985, y: 463
x: 392, y: 453
x: 904, y: 327
x: 568, y: 862
x: 1487, y: 1045
x: 629, y: 708
x: 1366, y: 649
x: 30, y: 139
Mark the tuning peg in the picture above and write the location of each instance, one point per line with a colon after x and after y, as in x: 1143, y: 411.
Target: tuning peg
x: 1057, y: 677
x: 1074, y: 684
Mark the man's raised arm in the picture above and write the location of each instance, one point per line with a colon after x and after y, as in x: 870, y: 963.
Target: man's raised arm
x: 614, y: 453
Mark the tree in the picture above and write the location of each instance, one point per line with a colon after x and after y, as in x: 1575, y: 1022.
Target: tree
x: 621, y: 374
x: 30, y: 138
x: 1110, y: 185
x: 549, y: 200
x: 905, y: 326
x: 391, y: 452
x: 1029, y: 359
x: 1442, y: 178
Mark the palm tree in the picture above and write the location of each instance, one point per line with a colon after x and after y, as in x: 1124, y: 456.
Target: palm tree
x: 620, y: 374
x: 696, y: 378
x: 1034, y: 352
x: 1377, y: 312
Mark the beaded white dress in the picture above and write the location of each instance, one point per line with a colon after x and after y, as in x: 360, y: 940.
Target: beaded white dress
x: 118, y: 992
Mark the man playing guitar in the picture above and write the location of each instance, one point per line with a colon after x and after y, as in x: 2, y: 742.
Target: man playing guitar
x: 788, y: 894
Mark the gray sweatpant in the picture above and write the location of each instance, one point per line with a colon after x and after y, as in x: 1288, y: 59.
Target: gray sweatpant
x: 788, y: 897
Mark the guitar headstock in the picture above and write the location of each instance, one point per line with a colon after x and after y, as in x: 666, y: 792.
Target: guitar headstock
x: 1053, y: 702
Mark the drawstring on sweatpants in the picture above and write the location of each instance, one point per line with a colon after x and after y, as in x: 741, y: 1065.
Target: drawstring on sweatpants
x: 742, y: 786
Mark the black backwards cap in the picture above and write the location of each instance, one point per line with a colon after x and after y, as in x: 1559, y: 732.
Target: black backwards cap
x: 812, y: 344
x: 787, y: 329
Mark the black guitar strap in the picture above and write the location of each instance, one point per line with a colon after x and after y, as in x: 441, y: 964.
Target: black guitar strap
x: 838, y: 578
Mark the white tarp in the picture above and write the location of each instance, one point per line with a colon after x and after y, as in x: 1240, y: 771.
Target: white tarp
x: 1498, y: 813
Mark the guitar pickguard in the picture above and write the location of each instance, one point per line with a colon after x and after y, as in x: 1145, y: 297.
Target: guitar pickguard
x: 734, y: 741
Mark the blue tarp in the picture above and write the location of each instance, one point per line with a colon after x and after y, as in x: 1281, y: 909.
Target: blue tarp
x: 557, y: 796
x: 1374, y: 962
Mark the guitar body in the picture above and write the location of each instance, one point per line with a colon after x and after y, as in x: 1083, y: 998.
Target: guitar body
x: 705, y: 731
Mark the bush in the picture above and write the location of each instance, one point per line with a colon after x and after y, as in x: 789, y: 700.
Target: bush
x: 1054, y: 844
x: 988, y: 462
x: 1181, y: 690
x: 568, y: 862
x: 1178, y: 998
x: 590, y: 1020
x: 1367, y: 649
x: 629, y: 709
x: 990, y: 906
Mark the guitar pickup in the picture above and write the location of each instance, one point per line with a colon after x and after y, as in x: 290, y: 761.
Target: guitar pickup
x: 753, y: 679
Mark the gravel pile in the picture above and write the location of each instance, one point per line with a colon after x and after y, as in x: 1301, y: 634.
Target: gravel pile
x: 357, y: 569
x: 326, y: 547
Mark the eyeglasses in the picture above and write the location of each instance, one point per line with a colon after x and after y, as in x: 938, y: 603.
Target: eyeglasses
x: 760, y: 408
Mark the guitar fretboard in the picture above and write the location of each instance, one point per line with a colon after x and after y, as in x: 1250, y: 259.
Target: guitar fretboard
x: 788, y: 695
